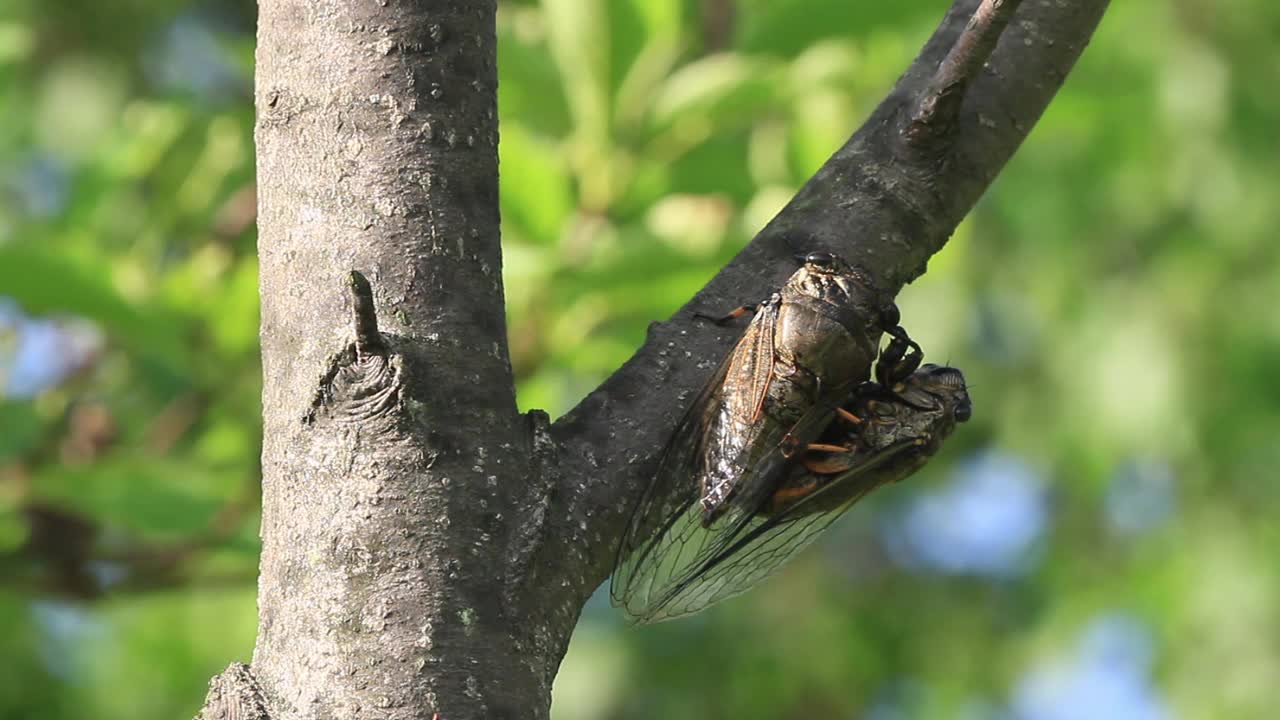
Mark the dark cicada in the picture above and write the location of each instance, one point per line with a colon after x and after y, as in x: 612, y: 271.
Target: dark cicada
x: 804, y: 351
x: 884, y: 435
x: 806, y: 347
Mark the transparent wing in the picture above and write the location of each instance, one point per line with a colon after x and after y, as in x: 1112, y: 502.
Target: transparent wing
x: 761, y: 544
x: 645, y: 558
x: 671, y: 537
x: 761, y: 463
x: 667, y: 537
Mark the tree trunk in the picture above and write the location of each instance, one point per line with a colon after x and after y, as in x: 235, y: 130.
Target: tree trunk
x: 391, y: 467
x: 427, y: 550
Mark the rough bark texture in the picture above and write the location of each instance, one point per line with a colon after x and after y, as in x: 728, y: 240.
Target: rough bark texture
x: 426, y: 550
x: 391, y: 466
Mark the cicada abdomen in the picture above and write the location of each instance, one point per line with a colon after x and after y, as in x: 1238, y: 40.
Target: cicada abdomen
x: 895, y: 433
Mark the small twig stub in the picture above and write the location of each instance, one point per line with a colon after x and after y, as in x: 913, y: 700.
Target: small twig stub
x: 938, y: 108
x: 362, y: 381
x: 368, y: 340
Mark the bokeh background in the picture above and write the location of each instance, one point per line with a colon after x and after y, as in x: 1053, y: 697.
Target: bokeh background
x: 1099, y: 542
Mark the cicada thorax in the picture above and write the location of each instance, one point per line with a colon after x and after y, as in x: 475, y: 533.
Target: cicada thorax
x: 828, y: 326
x: 817, y: 352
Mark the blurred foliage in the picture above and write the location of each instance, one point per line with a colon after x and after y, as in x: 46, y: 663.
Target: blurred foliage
x: 1098, y: 543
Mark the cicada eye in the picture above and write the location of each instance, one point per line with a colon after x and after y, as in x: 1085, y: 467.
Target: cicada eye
x: 964, y: 411
x: 820, y: 259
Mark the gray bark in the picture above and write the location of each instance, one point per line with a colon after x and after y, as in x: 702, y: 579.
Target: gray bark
x: 426, y: 550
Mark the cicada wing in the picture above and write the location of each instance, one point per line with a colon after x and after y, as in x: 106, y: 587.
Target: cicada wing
x: 666, y: 537
x: 751, y: 365
x: 643, y: 579
x: 764, y: 543
x: 650, y: 550
x: 689, y: 538
x: 763, y: 461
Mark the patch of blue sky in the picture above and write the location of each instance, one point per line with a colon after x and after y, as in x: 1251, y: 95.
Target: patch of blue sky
x: 1141, y: 495
x: 38, y: 353
x: 986, y: 520
x: 190, y: 57
x: 1107, y: 676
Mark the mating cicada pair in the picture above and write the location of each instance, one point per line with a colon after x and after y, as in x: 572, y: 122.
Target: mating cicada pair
x: 788, y: 434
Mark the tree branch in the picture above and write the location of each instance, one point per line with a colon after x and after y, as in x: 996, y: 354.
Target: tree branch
x: 887, y: 200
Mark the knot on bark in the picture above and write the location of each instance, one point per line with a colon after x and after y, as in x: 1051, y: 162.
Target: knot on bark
x: 362, y: 382
x: 234, y: 695
x: 365, y: 389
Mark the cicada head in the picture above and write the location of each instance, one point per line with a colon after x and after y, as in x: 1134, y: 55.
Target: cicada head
x: 941, y: 388
x: 924, y: 409
x: 826, y: 276
x: 822, y: 262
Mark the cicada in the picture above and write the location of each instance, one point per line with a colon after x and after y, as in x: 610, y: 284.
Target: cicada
x: 806, y: 347
x: 885, y: 432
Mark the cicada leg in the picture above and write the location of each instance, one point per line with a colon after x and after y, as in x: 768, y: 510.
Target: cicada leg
x: 790, y: 446
x: 733, y: 314
x: 840, y: 458
x: 826, y: 447
x: 787, y: 496
x: 848, y: 416
x: 901, y: 357
x: 822, y: 461
x: 729, y: 317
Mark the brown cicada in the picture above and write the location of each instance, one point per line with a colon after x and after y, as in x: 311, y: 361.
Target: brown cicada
x: 884, y: 434
x: 805, y: 351
x: 806, y: 347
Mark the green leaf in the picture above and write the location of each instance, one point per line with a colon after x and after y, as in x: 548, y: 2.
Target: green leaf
x: 717, y: 91
x: 530, y: 88
x: 536, y: 192
x: 23, y: 428
x: 13, y: 529
x: 787, y: 27
x: 162, y: 497
x: 578, y: 35
x: 639, y: 27
x: 234, y: 320
x: 44, y: 281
